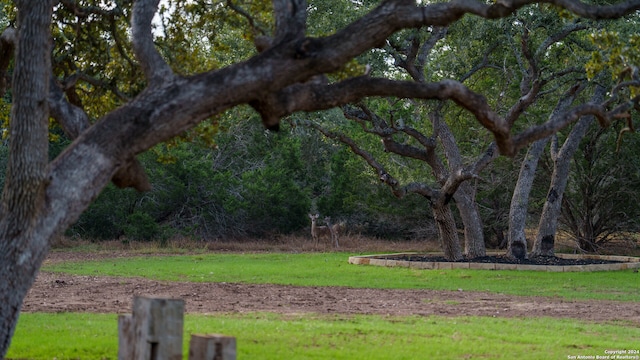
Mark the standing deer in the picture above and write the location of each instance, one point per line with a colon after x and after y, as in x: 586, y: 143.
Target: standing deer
x: 333, y: 229
x: 318, y: 230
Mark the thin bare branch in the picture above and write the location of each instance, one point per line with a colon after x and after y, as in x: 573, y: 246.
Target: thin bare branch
x: 615, y: 92
x: 384, y: 177
x: 71, y: 81
x: 119, y: 43
x: 415, y: 52
x: 437, y: 34
x: 379, y: 168
x: 484, y: 64
x: 260, y: 38
x: 242, y: 12
x: 566, y: 31
x: 364, y: 117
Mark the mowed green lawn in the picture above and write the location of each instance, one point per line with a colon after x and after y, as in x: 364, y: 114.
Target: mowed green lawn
x: 332, y: 269
x: 273, y: 336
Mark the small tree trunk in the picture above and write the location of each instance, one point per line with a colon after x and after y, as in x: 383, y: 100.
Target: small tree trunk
x: 464, y: 196
x: 548, y: 225
x: 517, y: 243
x: 473, y: 230
x: 448, y: 232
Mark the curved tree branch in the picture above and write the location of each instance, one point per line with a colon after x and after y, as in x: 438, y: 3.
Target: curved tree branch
x: 302, y: 97
x: 70, y: 82
x: 554, y: 124
x: 153, y: 65
x: 384, y: 177
x: 562, y: 34
x: 119, y: 43
x: 261, y: 40
x: 74, y: 121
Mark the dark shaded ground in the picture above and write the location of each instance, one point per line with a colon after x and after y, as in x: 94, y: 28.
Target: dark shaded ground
x: 538, y: 260
x: 61, y: 292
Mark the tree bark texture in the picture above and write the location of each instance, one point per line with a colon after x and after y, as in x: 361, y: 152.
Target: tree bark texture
x: 448, y: 232
x: 474, y: 245
x: 464, y: 196
x: 548, y: 224
x: 517, y: 242
x: 22, y: 248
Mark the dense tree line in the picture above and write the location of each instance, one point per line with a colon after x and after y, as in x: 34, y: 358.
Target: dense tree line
x: 234, y: 190
x: 253, y: 183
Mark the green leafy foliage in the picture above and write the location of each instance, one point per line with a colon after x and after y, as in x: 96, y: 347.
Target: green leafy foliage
x: 600, y: 200
x: 273, y: 196
x: 618, y: 53
x: 141, y: 226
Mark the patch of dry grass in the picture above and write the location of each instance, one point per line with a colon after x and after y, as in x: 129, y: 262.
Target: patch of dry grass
x: 625, y: 244
x: 281, y: 243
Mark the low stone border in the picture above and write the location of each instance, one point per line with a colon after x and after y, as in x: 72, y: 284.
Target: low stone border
x: 625, y: 262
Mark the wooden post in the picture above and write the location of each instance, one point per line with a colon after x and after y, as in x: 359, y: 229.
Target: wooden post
x: 212, y: 347
x: 126, y: 338
x: 153, y: 331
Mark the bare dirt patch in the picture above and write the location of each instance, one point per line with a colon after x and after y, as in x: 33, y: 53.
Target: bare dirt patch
x: 61, y: 292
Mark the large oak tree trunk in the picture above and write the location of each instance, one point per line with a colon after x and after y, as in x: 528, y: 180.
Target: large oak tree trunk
x: 464, y: 196
x: 448, y: 233
x: 548, y: 225
x: 474, y: 245
x: 517, y: 241
x: 22, y: 250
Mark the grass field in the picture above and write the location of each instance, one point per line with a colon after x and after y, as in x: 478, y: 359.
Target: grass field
x: 276, y: 336
x: 271, y: 336
x: 332, y: 269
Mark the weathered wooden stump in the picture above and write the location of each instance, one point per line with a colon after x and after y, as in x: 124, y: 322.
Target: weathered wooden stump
x: 212, y: 347
x: 154, y: 331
